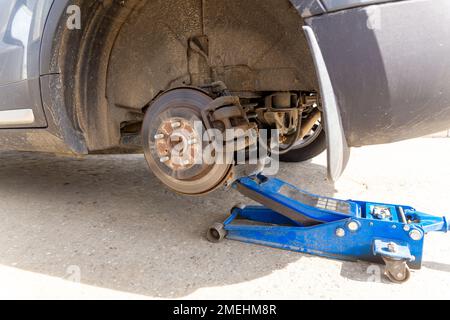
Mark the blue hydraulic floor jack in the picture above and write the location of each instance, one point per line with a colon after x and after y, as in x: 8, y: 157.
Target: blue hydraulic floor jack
x: 292, y: 219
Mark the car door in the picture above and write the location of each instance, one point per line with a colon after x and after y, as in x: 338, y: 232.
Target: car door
x: 21, y: 26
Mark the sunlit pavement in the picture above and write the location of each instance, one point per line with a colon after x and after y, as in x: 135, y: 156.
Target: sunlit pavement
x: 104, y: 227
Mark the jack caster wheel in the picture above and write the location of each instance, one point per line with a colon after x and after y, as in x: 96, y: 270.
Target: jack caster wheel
x: 216, y: 233
x: 397, y: 271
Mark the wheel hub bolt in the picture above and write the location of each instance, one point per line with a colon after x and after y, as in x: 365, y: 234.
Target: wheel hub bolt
x: 159, y: 136
x: 192, y: 142
x: 176, y: 125
x: 164, y: 159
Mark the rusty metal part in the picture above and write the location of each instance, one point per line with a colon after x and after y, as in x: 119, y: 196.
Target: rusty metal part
x: 226, y: 113
x: 282, y: 111
x: 286, y: 122
x: 309, y: 123
x: 174, y: 143
x: 177, y: 143
x: 282, y: 100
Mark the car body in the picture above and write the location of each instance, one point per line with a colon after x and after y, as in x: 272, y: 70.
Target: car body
x: 381, y: 67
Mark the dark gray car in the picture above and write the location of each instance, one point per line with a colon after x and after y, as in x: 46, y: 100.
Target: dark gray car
x: 84, y: 76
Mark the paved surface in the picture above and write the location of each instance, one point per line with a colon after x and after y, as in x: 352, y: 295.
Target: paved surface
x: 106, y: 221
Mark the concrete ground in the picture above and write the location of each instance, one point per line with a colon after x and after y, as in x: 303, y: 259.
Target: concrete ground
x: 104, y: 220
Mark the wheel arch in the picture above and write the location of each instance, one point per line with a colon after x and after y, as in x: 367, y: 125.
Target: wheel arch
x: 75, y: 60
x: 79, y: 60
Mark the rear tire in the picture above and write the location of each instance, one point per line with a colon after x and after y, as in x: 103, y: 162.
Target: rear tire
x: 313, y: 149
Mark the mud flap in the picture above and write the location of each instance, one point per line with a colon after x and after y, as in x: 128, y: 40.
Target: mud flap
x: 337, y: 148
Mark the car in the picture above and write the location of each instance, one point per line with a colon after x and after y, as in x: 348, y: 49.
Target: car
x: 89, y: 77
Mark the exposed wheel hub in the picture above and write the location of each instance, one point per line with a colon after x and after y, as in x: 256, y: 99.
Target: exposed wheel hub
x: 178, y: 144
x: 174, y: 143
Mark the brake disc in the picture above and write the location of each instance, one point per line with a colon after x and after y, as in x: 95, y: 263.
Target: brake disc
x: 175, y: 144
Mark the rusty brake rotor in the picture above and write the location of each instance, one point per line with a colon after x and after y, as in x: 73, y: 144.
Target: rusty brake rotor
x: 175, y: 143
